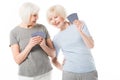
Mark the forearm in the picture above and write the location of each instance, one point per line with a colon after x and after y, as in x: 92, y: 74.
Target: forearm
x: 56, y: 63
x: 87, y: 40
x: 50, y: 52
x: 23, y: 55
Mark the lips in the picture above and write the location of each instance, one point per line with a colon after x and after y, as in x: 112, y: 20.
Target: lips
x: 56, y: 23
x: 34, y: 21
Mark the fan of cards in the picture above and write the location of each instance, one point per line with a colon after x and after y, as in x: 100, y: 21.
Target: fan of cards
x: 42, y: 34
x: 72, y: 17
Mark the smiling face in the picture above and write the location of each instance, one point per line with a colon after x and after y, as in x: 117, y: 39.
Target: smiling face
x: 56, y: 16
x: 56, y: 20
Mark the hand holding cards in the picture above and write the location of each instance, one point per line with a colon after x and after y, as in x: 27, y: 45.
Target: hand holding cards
x: 72, y: 17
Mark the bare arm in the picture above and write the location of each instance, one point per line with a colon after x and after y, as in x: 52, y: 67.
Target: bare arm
x: 56, y: 63
x: 49, y: 49
x: 47, y: 46
x: 18, y: 56
x: 88, y: 40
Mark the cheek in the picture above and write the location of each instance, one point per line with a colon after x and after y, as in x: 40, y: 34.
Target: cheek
x: 51, y: 22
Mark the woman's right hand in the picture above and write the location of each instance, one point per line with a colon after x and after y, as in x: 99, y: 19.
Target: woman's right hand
x: 57, y: 64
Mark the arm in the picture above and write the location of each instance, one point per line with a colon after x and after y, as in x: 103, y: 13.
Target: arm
x: 18, y: 56
x: 56, y: 63
x: 87, y: 39
x: 47, y: 46
x: 49, y: 49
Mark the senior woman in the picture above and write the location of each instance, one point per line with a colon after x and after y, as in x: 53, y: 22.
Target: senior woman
x: 31, y: 45
x: 75, y: 42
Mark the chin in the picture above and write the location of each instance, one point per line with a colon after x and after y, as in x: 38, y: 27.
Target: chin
x: 59, y: 27
x: 34, y: 23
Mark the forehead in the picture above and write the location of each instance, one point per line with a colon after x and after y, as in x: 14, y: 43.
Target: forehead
x: 34, y: 13
x: 53, y: 14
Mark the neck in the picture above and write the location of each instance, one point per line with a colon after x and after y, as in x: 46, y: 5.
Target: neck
x: 64, y: 26
x: 26, y: 25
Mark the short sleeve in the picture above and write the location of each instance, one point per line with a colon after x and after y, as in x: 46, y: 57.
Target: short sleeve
x: 46, y: 31
x: 85, y: 30
x: 56, y: 45
x: 13, y: 39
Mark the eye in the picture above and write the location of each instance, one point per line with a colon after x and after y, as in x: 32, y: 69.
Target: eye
x: 56, y: 17
x: 50, y: 19
x: 35, y: 15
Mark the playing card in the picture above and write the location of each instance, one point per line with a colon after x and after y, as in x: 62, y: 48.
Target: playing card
x: 42, y: 34
x: 72, y: 17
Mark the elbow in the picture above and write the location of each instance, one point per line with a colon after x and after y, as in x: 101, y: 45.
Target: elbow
x: 17, y: 61
x: 91, y: 46
x: 54, y: 60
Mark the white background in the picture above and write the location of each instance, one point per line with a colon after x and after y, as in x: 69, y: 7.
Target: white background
x: 101, y: 16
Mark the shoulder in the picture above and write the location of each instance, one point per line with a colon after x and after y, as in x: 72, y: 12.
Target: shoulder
x: 57, y: 36
x: 55, y: 39
x: 14, y: 30
x: 40, y: 25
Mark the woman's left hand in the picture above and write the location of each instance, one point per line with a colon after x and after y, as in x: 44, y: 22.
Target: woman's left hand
x: 42, y: 42
x: 79, y: 24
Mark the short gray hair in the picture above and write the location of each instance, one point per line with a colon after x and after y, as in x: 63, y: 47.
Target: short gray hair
x: 26, y: 10
x: 58, y: 10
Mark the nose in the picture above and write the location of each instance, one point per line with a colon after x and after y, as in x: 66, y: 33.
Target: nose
x: 53, y: 21
x: 36, y: 17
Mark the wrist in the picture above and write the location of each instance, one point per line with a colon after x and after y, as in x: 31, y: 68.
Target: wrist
x: 28, y: 47
x: 42, y: 45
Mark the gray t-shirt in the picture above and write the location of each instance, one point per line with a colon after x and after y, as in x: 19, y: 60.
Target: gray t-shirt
x: 37, y: 62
